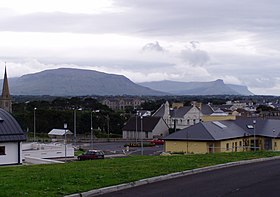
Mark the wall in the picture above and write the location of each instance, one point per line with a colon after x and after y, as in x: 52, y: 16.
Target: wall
x: 47, y: 150
x: 218, y: 118
x: 184, y: 146
x: 35, y: 160
x: 140, y: 135
x: 11, y: 150
x: 160, y: 130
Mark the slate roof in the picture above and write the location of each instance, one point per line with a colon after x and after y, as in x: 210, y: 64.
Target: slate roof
x: 206, y: 110
x: 179, y: 113
x: 160, y: 111
x: 222, y: 130
x: 148, y: 123
x: 10, y: 131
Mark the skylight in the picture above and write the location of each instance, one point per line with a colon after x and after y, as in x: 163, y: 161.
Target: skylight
x: 219, y: 124
x: 249, y: 126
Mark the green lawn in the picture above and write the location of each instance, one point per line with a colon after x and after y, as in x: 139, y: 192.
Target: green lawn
x: 62, y: 179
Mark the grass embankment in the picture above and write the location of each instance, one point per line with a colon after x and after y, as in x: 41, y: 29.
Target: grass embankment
x: 62, y: 179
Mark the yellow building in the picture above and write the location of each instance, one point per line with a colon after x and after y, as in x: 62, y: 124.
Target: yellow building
x: 226, y: 136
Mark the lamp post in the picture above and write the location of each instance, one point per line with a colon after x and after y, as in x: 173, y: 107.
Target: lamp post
x: 136, y: 116
x: 142, y: 151
x: 187, y: 141
x: 75, y: 127
x: 65, y: 145
x: 34, y: 114
x: 108, y: 127
x: 91, y: 131
x: 274, y: 137
x: 254, y: 122
x: 91, y: 127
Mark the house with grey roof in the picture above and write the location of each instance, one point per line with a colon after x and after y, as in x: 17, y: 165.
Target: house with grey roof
x: 183, y: 116
x: 11, y: 137
x: 244, y: 134
x: 145, y: 127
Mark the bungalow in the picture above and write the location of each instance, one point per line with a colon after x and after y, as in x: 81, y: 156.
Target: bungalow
x: 244, y: 134
x: 145, y: 127
x: 11, y: 137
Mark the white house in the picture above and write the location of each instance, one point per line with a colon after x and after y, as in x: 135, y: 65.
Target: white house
x: 145, y: 127
x: 183, y: 117
x: 11, y: 137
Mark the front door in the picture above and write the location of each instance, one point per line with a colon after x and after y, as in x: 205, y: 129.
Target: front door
x: 267, y: 144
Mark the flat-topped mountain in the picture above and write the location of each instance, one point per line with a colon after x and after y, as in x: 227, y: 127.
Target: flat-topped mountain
x: 76, y: 82
x: 217, y: 87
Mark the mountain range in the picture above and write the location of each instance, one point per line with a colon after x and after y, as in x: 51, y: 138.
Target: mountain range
x: 80, y: 82
x: 217, y: 87
x: 76, y: 82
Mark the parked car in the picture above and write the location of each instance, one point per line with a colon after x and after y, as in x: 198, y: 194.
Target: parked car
x: 157, y: 141
x: 91, y: 154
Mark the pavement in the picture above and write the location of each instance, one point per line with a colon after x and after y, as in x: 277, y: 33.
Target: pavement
x: 115, y: 188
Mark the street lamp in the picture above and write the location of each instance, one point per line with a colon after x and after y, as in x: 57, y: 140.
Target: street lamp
x: 141, y: 118
x: 34, y: 114
x: 65, y: 145
x: 274, y: 137
x: 75, y: 127
x: 136, y: 116
x: 91, y: 127
x: 75, y: 124
x: 254, y: 122
x: 108, y: 127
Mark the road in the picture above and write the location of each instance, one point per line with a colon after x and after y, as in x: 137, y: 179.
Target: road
x: 118, y: 147
x: 257, y: 179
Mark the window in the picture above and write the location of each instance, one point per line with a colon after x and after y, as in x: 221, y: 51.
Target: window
x: 240, y: 144
x: 227, y: 146
x: 2, y: 150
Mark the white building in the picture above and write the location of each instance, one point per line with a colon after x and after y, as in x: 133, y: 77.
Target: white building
x: 145, y: 127
x: 11, y: 137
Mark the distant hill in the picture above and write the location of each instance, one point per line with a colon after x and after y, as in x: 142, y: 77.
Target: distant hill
x: 217, y: 87
x: 76, y: 82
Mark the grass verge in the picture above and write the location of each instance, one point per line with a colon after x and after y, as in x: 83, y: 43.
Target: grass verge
x: 63, y: 179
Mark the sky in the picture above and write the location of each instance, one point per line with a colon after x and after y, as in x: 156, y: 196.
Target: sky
x: 146, y: 40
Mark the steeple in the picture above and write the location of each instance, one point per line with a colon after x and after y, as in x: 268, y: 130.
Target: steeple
x: 5, y: 90
x: 6, y: 100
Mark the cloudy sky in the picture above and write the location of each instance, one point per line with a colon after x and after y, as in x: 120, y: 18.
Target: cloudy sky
x: 146, y: 40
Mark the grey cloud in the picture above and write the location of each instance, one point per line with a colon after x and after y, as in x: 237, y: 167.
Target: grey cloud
x: 153, y: 47
x: 147, y: 17
x: 193, y: 55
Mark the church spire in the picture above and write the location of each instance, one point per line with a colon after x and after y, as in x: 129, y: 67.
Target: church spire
x: 5, y: 90
x: 6, y: 100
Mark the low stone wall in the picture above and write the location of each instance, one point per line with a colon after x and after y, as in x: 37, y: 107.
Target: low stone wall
x: 35, y: 160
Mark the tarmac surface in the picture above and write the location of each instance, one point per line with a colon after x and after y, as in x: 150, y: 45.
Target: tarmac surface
x: 254, y: 179
x: 111, y: 148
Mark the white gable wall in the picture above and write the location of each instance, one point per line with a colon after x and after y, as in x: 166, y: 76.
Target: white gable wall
x: 161, y: 129
x: 192, y: 117
x: 11, y: 153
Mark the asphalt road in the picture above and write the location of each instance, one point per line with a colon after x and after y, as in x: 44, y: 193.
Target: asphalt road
x: 118, y: 147
x: 257, y: 179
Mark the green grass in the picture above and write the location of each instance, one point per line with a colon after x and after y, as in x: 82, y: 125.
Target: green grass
x: 62, y: 179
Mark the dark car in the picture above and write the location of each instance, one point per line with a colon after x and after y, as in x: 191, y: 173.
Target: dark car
x: 91, y: 154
